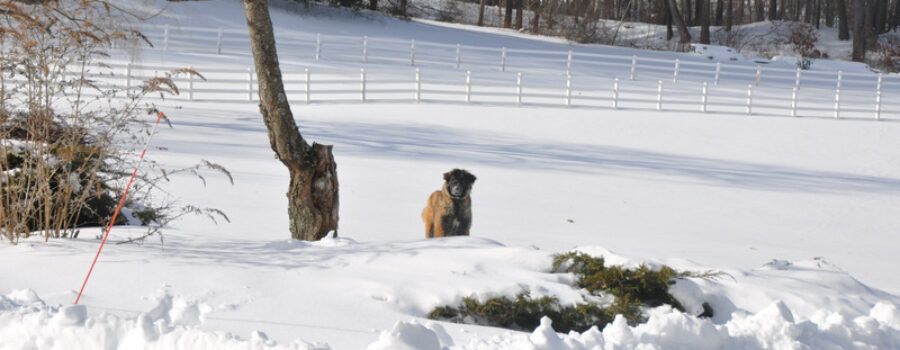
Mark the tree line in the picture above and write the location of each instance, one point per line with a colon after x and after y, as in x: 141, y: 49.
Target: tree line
x: 868, y: 17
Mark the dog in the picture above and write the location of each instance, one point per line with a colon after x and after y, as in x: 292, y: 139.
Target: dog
x: 449, y: 211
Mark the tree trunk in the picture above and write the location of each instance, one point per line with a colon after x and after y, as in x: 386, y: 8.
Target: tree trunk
x: 687, y: 11
x: 829, y: 13
x: 760, y: 10
x: 683, y: 35
x: 720, y: 11
x: 403, y: 4
x: 895, y: 22
x: 740, y: 13
x: 667, y: 19
x: 373, y: 5
x: 519, y: 15
x: 507, y: 18
x: 843, y: 25
x: 313, y: 190
x: 773, y: 9
x: 481, y: 13
x: 817, y: 14
x: 698, y: 12
x: 859, y: 30
x: 871, y: 36
x: 729, y: 18
x: 704, y: 21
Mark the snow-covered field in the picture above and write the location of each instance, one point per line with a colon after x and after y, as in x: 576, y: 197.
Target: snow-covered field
x: 798, y: 214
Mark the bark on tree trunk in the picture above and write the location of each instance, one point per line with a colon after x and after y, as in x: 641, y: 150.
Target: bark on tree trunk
x: 859, y: 30
x: 760, y: 10
x: 481, y: 13
x: 687, y: 11
x: 729, y: 18
x: 313, y: 190
x: 669, y: 32
x: 843, y: 25
x: 829, y: 13
x: 817, y: 14
x: 683, y: 35
x: 704, y: 21
x: 720, y: 9
x: 403, y: 4
x: 773, y: 9
x: 740, y: 13
x: 895, y: 22
x: 519, y: 15
x: 507, y: 19
x: 373, y: 5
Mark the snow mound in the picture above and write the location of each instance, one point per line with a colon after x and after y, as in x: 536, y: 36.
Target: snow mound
x: 26, y: 322
x: 410, y: 335
x: 772, y: 328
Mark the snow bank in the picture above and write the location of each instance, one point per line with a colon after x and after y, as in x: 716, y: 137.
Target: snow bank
x: 772, y: 328
x: 27, y: 322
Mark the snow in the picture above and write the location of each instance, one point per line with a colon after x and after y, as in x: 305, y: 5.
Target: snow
x: 798, y: 216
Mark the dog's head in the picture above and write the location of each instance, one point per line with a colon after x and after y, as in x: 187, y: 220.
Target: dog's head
x: 459, y: 182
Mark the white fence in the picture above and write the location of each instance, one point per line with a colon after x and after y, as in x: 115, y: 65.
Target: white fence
x: 372, y: 51
x: 404, y: 85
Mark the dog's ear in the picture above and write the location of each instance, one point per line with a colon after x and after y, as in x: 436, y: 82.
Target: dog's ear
x: 470, y: 178
x: 447, y: 176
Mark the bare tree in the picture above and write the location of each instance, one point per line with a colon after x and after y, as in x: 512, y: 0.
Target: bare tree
x: 481, y: 13
x: 843, y: 25
x: 683, y: 35
x: 859, y: 30
x: 704, y: 20
x: 519, y: 15
x: 313, y: 190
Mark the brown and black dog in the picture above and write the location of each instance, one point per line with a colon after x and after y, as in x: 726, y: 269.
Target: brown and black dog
x: 449, y: 211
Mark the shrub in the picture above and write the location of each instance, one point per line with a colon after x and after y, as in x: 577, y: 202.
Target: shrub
x: 633, y: 289
x: 65, y: 139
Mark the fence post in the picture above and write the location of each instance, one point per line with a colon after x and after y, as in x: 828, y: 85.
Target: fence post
x: 703, y: 100
x: 659, y: 97
x: 365, y: 49
x: 468, y: 86
x: 219, y: 41
x: 718, y: 73
x: 878, y: 98
x: 568, y: 90
x: 318, y: 46
x: 166, y: 38
x: 837, y: 95
x: 418, y: 85
x: 569, y: 63
x: 128, y: 79
x: 458, y: 54
x: 758, y: 73
x: 797, y: 82
x: 412, y: 52
x: 519, y: 88
x: 633, y: 67
x: 616, y: 94
x: 503, y: 60
x: 306, y: 81
x: 362, y: 84
x: 749, y: 99
x: 250, y: 83
x: 191, y: 84
x: 794, y: 101
x: 675, y: 75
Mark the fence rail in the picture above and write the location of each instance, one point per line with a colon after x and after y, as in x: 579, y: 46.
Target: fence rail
x: 381, y: 51
x: 321, y: 85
